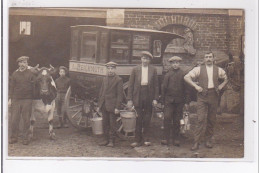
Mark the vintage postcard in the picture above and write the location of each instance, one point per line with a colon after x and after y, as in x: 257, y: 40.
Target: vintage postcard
x: 127, y: 83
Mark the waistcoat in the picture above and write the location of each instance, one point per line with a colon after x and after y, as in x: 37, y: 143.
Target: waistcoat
x: 203, y: 77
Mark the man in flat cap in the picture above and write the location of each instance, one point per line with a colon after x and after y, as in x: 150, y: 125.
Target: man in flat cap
x: 143, y: 92
x: 62, y: 84
x: 110, y: 99
x: 21, y: 95
x: 174, y: 96
x: 208, y: 89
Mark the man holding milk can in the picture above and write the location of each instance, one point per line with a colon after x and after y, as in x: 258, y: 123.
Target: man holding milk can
x: 143, y: 92
x: 110, y: 99
x: 174, y: 96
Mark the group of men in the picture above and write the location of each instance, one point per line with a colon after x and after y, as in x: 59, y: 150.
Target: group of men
x: 143, y: 94
x: 23, y: 91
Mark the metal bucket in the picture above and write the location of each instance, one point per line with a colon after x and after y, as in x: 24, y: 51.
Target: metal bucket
x: 128, y: 120
x: 97, y: 127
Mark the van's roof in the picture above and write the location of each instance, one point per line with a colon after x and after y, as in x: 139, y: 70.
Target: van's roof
x: 130, y: 29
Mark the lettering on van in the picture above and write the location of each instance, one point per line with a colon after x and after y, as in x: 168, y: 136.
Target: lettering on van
x: 87, y: 68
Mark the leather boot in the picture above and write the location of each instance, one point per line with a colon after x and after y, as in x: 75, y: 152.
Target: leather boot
x: 136, y: 144
x: 164, y: 142
x: 104, y: 143
x: 147, y: 142
x: 26, y: 142
x: 65, y: 122
x: 13, y: 140
x: 209, y: 144
x: 195, y: 146
x: 111, y: 143
x: 176, y: 142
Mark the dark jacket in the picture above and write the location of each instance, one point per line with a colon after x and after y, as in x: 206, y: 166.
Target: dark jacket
x: 174, y: 89
x: 134, y: 86
x: 22, y: 85
x: 111, y: 93
x: 62, y: 84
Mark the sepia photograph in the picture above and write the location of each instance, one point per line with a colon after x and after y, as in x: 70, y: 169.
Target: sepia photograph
x: 128, y: 83
x: 142, y: 83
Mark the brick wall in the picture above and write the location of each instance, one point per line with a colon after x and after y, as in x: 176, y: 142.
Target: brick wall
x: 236, y: 28
x: 220, y: 33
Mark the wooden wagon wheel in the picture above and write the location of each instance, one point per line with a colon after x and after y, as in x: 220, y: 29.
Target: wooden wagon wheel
x: 76, y: 112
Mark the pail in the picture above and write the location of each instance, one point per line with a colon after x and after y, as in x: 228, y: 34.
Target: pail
x: 97, y: 127
x: 128, y: 120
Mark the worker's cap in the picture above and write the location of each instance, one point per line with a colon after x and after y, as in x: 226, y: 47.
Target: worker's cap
x: 175, y: 58
x: 22, y: 58
x: 111, y: 64
x: 64, y: 68
x: 146, y: 53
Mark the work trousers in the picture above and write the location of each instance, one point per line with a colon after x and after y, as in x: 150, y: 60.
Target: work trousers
x: 206, y: 110
x: 109, y: 124
x: 144, y: 112
x: 172, y: 117
x: 20, y: 108
x: 60, y: 100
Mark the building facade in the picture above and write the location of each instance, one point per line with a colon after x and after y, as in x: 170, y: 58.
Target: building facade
x: 44, y: 33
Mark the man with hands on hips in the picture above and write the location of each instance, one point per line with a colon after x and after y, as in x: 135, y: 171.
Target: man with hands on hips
x: 143, y: 92
x: 110, y: 99
x: 208, y: 88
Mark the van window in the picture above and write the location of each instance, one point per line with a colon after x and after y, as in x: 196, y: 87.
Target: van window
x: 74, y: 44
x: 120, y: 47
x: 157, y: 48
x: 141, y: 42
x: 103, y: 48
x: 88, y: 46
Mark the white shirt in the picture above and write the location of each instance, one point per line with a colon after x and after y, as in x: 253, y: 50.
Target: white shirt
x: 195, y: 72
x: 144, y: 79
x: 210, y: 76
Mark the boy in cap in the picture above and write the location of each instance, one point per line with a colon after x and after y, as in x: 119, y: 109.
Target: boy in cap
x: 110, y: 99
x: 143, y: 92
x: 62, y: 84
x: 21, y: 95
x: 174, y: 96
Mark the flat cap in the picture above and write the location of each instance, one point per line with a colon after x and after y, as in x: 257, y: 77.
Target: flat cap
x: 64, y: 68
x: 147, y: 54
x: 175, y: 58
x: 22, y: 58
x: 111, y: 64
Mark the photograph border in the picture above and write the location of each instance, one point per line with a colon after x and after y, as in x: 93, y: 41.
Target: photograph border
x: 251, y: 75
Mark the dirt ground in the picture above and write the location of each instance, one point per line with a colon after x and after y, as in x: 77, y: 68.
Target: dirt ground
x: 70, y: 142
